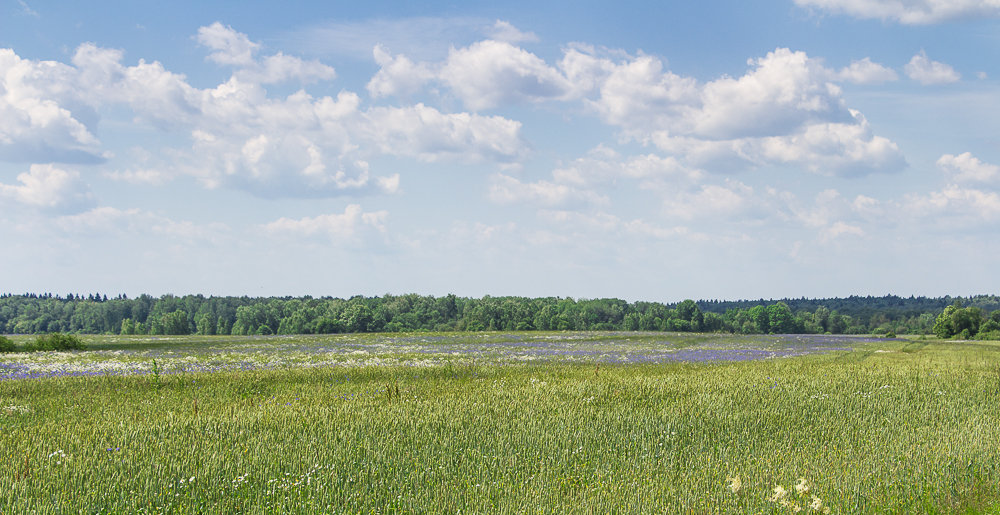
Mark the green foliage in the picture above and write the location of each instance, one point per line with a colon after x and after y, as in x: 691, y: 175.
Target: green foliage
x: 868, y: 432
x: 56, y: 342
x: 6, y: 345
x: 170, y: 314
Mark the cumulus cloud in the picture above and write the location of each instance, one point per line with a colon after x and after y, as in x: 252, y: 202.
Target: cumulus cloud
x: 233, y: 48
x: 787, y: 109
x: 866, y: 72
x: 50, y: 189
x: 845, y: 149
x: 504, y: 31
x: 967, y: 168
x: 240, y: 135
x: 228, y: 46
x: 584, y: 182
x: 785, y: 90
x: 490, y: 73
x: 397, y: 75
x: 713, y: 200
x: 909, y: 12
x: 968, y: 204
x: 42, y: 116
x: 348, y: 225
x: 925, y: 71
x: 427, y: 134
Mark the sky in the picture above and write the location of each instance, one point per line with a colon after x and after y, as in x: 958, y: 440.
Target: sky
x: 639, y: 150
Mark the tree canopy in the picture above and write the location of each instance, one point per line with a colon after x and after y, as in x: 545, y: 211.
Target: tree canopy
x: 197, y: 314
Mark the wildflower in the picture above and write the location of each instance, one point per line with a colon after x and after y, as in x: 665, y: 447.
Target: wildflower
x: 816, y: 504
x: 779, y: 493
x: 734, y: 484
x: 803, y: 487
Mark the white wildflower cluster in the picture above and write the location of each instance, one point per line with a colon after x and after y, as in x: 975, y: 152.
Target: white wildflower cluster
x: 182, y: 484
x: 803, y: 499
x: 14, y: 408
x: 289, y: 481
x: 60, y: 457
x: 735, y: 484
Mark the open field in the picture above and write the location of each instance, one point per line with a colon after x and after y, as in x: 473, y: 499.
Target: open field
x: 522, y: 422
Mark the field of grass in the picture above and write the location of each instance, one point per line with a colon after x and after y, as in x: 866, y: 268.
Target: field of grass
x: 532, y: 423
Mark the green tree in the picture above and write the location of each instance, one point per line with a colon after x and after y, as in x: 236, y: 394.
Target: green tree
x: 779, y: 318
x: 943, y: 327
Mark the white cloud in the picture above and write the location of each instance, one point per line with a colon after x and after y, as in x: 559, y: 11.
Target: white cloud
x: 509, y: 190
x: 113, y: 222
x: 787, y: 109
x: 967, y: 168
x: 925, y: 71
x: 713, y: 200
x: 638, y: 94
x: 241, y: 136
x: 139, y: 176
x: 234, y: 48
x: 42, y: 116
x: 338, y: 226
x: 229, y: 47
x: 841, y: 149
x: 427, y: 134
x: 584, y: 182
x: 866, y: 72
x: 397, y: 76
x: 970, y: 206
x: 51, y: 189
x: 785, y: 91
x: 840, y: 229
x: 835, y: 149
x: 504, y: 31
x: 909, y: 12
x: 491, y: 73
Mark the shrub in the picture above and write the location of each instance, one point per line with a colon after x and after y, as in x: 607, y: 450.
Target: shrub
x: 988, y: 335
x: 6, y: 345
x: 56, y: 341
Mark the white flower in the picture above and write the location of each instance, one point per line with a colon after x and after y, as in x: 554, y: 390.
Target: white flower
x: 734, y: 484
x: 803, y: 487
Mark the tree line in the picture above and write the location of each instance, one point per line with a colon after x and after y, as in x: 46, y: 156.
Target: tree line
x: 197, y: 314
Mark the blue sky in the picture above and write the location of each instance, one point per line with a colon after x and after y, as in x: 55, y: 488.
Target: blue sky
x: 638, y: 150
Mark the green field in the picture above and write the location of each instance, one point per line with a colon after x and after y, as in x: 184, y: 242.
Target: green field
x: 450, y: 424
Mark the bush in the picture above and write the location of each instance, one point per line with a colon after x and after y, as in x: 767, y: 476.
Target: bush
x: 988, y: 335
x: 56, y: 341
x: 6, y: 345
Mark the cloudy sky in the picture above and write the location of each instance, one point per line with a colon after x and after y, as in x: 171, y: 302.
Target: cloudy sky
x: 717, y: 149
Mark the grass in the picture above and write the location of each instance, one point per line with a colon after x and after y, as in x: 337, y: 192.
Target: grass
x: 898, y: 427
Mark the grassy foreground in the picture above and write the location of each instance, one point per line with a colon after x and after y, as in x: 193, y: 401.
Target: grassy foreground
x: 892, y: 427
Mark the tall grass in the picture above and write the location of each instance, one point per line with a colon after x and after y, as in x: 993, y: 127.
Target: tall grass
x: 911, y: 428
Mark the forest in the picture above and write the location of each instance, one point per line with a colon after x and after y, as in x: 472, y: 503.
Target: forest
x: 946, y: 317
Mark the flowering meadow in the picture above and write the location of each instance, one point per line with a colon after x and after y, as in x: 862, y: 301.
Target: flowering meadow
x: 498, y: 422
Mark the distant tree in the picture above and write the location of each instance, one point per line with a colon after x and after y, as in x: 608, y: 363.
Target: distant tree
x: 760, y: 318
x: 943, y: 326
x: 779, y: 318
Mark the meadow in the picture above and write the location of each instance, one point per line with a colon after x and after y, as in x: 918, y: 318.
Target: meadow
x: 502, y: 422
